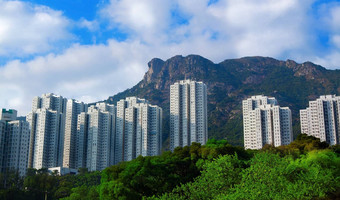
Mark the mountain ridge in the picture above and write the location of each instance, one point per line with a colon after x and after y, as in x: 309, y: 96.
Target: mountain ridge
x: 231, y: 81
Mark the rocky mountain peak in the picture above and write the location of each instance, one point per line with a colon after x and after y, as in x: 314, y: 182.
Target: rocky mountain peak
x: 163, y: 73
x: 291, y: 64
x: 307, y: 69
x: 155, y: 66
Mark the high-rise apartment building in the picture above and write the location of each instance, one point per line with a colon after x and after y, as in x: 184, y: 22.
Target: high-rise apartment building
x: 81, y: 141
x: 73, y: 109
x: 265, y: 122
x: 143, y: 131
x: 121, y: 138
x: 31, y: 119
x: 2, y: 142
x: 69, y: 134
x: 322, y: 119
x: 120, y: 129
x: 14, y: 142
x: 138, y: 129
x: 47, y: 139
x: 188, y: 113
x: 8, y: 115
x: 47, y: 124
x: 17, y: 145
x: 130, y: 133
x: 94, y: 139
x: 49, y: 101
x: 100, y: 136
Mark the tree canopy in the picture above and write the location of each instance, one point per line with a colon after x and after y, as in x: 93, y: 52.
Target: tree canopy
x: 304, y: 169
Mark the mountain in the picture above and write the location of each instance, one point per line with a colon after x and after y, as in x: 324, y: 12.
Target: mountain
x: 231, y: 81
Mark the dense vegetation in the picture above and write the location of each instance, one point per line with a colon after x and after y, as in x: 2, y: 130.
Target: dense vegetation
x: 265, y: 176
x: 305, y: 169
x: 40, y: 183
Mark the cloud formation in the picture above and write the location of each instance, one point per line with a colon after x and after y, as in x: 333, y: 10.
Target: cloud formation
x: 87, y: 73
x: 27, y: 29
x: 284, y: 29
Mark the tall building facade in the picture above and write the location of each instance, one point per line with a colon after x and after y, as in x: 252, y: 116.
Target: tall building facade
x: 49, y: 101
x: 265, y: 122
x: 68, y: 134
x: 47, y: 124
x: 100, y: 136
x: 81, y: 141
x: 143, y: 131
x: 188, y: 113
x: 14, y: 142
x: 322, y: 119
x: 73, y: 109
x: 130, y: 133
x: 138, y: 129
x: 47, y: 139
x: 2, y: 143
x: 17, y: 145
x: 121, y: 140
x: 8, y: 115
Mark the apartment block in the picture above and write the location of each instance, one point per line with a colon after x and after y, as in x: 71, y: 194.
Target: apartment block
x: 2, y: 143
x: 149, y: 130
x: 322, y: 119
x: 67, y: 133
x: 73, y: 109
x: 188, y: 113
x: 81, y: 141
x: 121, y: 139
x: 100, y: 137
x: 265, y: 122
x: 14, y: 142
x: 17, y: 145
x: 47, y: 124
x: 143, y: 130
x: 47, y: 146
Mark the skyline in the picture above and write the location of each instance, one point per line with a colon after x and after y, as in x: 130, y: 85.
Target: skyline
x: 85, y: 50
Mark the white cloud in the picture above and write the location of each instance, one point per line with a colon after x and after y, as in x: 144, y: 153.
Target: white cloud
x: 336, y: 40
x: 82, y: 72
x: 27, y: 29
x: 266, y: 27
x: 329, y: 23
x: 331, y: 60
x: 335, y: 17
x: 334, y: 23
x: 91, y: 25
x: 142, y: 19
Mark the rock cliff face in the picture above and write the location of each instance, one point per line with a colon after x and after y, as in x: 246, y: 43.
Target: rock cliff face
x: 231, y: 81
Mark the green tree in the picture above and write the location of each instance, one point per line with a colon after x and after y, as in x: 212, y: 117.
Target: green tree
x: 39, y: 183
x: 218, y: 175
x: 315, y: 175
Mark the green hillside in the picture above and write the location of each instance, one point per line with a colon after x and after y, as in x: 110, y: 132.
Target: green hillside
x: 231, y: 81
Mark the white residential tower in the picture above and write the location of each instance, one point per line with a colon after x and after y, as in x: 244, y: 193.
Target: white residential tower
x: 322, y: 119
x: 265, y: 122
x: 188, y: 113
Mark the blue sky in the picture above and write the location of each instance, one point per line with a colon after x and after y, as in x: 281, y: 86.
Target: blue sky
x: 89, y: 50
